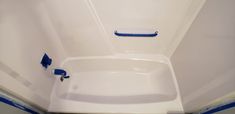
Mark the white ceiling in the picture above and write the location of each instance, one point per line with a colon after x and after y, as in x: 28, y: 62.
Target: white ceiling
x: 86, y: 27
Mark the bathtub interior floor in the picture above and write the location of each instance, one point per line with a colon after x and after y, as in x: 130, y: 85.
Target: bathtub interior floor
x: 113, y: 83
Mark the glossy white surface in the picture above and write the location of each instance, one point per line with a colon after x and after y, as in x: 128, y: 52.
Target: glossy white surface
x: 24, y: 38
x: 204, y: 61
x: 86, y: 27
x: 118, y: 81
x: 78, y: 35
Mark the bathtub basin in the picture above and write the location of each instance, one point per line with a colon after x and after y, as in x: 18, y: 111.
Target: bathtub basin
x: 115, y: 81
x: 124, y: 81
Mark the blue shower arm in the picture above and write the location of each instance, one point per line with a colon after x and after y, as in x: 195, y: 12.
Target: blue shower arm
x: 135, y: 34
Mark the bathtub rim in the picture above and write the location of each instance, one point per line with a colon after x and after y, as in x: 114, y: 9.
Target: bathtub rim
x: 152, y: 57
x: 144, y: 57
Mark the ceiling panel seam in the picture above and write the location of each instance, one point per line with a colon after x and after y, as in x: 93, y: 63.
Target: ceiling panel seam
x: 192, y: 13
x: 99, y: 23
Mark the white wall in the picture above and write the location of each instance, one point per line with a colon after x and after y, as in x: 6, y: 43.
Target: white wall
x: 25, y: 35
x: 87, y: 27
x: 204, y: 62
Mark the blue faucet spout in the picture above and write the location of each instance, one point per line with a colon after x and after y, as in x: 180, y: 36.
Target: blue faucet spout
x: 60, y: 72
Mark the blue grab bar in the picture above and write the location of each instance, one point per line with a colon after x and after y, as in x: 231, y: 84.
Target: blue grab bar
x: 135, y: 34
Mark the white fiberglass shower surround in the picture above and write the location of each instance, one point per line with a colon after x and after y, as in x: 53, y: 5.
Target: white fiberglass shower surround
x: 108, y: 73
x: 116, y: 74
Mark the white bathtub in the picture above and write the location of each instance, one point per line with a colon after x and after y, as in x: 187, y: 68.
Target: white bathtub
x: 115, y: 81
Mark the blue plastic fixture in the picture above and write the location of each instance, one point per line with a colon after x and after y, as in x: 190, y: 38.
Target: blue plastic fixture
x: 62, y: 73
x: 66, y: 76
x: 10, y: 102
x: 136, y: 34
x: 46, y: 61
x: 220, y: 108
